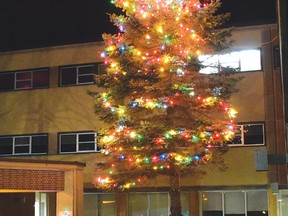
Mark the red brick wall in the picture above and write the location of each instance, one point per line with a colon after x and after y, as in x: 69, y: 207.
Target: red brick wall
x: 25, y: 179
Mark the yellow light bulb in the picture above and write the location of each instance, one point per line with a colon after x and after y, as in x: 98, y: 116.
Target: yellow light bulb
x: 133, y: 134
x: 160, y: 29
x: 232, y: 113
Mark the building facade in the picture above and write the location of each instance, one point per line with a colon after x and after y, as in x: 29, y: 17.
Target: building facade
x: 48, y: 129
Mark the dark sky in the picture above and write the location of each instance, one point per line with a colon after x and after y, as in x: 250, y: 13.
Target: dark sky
x: 38, y: 23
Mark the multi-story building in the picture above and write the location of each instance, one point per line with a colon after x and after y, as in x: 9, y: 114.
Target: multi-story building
x: 48, y: 148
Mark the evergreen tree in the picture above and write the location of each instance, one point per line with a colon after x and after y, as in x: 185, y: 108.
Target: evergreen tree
x: 164, y: 116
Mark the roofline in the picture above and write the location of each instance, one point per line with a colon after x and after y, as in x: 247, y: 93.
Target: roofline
x: 51, y: 48
x: 101, y: 43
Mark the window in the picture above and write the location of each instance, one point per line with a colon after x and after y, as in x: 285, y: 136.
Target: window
x: 154, y: 204
x: 78, y: 142
x: 245, y: 60
x: 79, y: 74
x: 102, y: 68
x: 24, y: 144
x: 248, y: 134
x: 20, y: 80
x: 238, y: 203
x: 99, y: 204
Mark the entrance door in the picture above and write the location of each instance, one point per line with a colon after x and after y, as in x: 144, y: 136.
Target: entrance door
x: 27, y: 204
x: 12, y: 204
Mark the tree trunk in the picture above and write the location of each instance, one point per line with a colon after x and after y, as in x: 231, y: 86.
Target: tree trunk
x: 175, y: 204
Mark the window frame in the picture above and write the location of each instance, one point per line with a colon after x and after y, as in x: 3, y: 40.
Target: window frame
x: 77, y: 143
x: 223, y: 199
x: 217, y: 64
x: 242, y: 125
x: 30, y: 145
x: 32, y: 85
x: 95, y: 71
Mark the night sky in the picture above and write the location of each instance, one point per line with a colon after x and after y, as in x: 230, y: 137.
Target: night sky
x: 38, y: 23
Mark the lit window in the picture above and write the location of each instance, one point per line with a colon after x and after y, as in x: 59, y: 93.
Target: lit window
x: 24, y: 144
x: 250, y: 60
x: 245, y: 60
x: 245, y: 203
x: 20, y: 80
x: 248, y: 134
x: 78, y: 142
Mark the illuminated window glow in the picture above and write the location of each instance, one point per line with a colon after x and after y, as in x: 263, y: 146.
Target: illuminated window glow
x: 244, y: 60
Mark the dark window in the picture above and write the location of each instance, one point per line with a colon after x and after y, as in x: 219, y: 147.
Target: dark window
x: 77, y: 75
x: 7, y: 81
x: 24, y: 144
x: 78, y: 142
x: 102, y: 68
x: 40, y: 144
x: 40, y: 79
x: 20, y: 80
x: 68, y: 76
x: 6, y: 145
x: 249, y: 134
x: 68, y: 143
x: 23, y: 79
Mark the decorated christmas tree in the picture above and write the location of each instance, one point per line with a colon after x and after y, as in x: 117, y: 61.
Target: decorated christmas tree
x: 165, y: 116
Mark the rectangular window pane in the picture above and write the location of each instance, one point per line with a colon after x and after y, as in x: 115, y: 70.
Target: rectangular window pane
x: 23, y: 84
x: 159, y: 204
x: 86, y: 79
x: 184, y: 203
x: 20, y: 76
x: 22, y: 140
x: 257, y: 203
x: 253, y: 134
x: 138, y: 204
x: 234, y: 203
x: 99, y: 204
x: 210, y: 64
x: 86, y: 74
x: 7, y: 81
x: 68, y: 143
x: 87, y: 137
x: 68, y: 76
x: 237, y: 139
x: 23, y: 149
x: 90, y: 204
x: 40, y: 144
x: 106, y: 205
x: 41, y: 78
x: 102, y: 68
x: 230, y: 60
x: 86, y: 70
x: 212, y: 204
x: 6, y: 145
x: 250, y: 60
x: 87, y: 146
